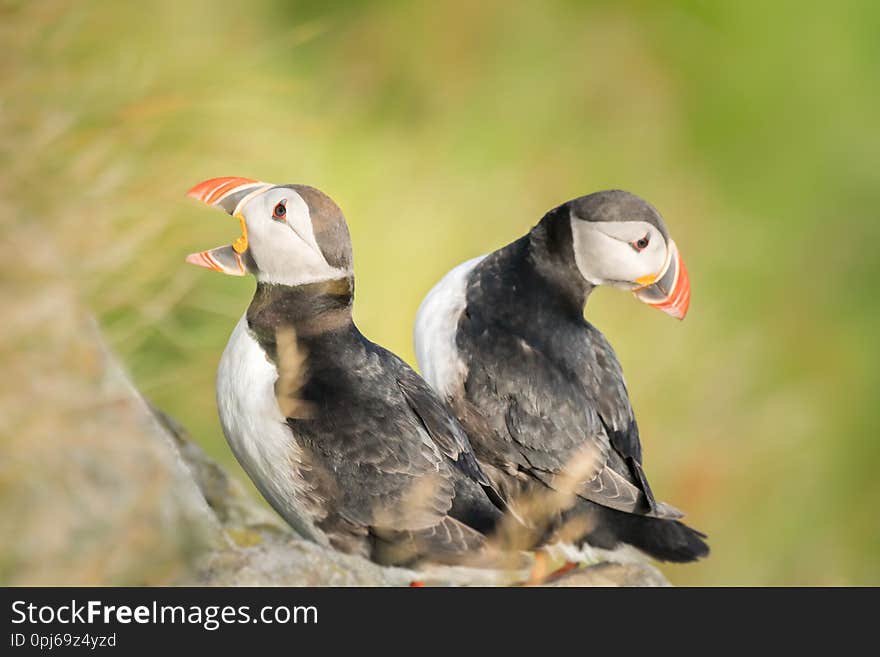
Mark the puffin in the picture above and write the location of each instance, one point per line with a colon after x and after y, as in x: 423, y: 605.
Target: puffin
x: 343, y: 439
x: 539, y: 390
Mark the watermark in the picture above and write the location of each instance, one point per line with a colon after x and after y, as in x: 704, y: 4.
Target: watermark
x: 209, y: 617
x: 66, y: 640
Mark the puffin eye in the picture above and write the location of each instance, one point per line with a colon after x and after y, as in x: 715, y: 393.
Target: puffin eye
x: 641, y: 244
x: 280, y: 212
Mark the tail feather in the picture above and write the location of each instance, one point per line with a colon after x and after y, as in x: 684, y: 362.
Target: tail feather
x: 662, y: 539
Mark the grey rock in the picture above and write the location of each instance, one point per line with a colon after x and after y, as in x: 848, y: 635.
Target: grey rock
x: 614, y: 574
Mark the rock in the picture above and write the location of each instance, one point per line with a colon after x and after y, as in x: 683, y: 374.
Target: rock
x: 92, y: 490
x: 614, y: 574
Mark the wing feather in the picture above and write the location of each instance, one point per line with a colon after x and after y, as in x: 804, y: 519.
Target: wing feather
x: 543, y: 410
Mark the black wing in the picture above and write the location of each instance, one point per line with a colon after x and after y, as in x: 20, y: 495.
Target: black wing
x: 385, y: 490
x: 379, y: 475
x: 451, y: 438
x: 440, y: 424
x: 607, y: 388
x: 544, y: 412
x: 366, y: 454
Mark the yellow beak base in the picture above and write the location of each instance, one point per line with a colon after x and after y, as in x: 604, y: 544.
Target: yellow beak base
x: 241, y: 244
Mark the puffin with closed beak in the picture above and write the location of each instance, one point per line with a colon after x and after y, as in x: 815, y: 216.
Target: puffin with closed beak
x: 539, y: 389
x: 347, y: 443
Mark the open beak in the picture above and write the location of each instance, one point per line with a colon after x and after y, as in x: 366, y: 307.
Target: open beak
x: 670, y: 289
x: 229, y: 193
x: 223, y: 259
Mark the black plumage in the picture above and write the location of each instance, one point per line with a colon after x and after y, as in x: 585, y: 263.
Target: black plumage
x: 543, y: 387
x: 343, y: 439
x: 391, y: 473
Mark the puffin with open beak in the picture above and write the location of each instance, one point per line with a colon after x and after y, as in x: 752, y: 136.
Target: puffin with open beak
x: 347, y: 443
x: 537, y: 387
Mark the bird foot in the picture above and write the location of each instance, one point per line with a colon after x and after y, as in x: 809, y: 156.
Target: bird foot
x: 542, y: 571
x: 568, y: 566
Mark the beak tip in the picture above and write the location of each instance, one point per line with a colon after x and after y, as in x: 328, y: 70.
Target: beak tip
x: 675, y: 313
x: 223, y: 259
x: 677, y: 300
x: 680, y: 312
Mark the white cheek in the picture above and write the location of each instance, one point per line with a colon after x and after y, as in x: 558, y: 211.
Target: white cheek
x: 286, y: 252
x: 654, y: 257
x: 605, y: 260
x: 300, y: 222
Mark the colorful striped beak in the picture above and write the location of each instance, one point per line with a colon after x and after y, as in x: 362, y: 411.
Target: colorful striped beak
x: 671, y: 289
x: 229, y: 193
x: 224, y: 259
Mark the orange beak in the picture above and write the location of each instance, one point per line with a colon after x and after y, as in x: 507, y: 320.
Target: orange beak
x: 223, y: 259
x: 213, y: 190
x: 229, y: 193
x: 671, y: 289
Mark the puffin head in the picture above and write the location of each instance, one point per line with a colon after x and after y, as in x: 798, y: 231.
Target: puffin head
x: 290, y: 234
x: 620, y: 240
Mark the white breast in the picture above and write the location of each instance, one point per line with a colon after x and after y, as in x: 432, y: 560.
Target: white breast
x: 436, y: 326
x: 256, y: 429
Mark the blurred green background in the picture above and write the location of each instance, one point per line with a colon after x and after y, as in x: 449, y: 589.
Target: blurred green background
x: 445, y: 130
